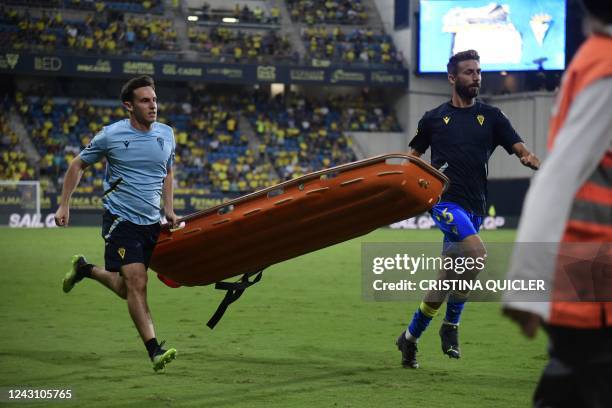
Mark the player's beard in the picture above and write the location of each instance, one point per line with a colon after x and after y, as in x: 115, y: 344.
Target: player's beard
x: 144, y: 118
x: 467, y: 92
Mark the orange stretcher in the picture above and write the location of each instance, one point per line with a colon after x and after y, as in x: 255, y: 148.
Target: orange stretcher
x: 248, y: 234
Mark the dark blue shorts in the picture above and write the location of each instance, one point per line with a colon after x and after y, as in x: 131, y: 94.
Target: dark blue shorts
x: 126, y: 242
x: 455, y: 222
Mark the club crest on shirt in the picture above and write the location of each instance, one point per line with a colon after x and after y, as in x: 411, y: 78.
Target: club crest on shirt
x: 121, y: 252
x: 160, y: 142
x: 126, y: 143
x: 480, y: 119
x: 446, y: 119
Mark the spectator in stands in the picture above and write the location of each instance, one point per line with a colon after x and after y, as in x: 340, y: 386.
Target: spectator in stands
x: 358, y: 46
x: 133, y: 6
x: 223, y: 43
x: 106, y: 33
x: 13, y: 162
x: 275, y: 15
x: 328, y: 11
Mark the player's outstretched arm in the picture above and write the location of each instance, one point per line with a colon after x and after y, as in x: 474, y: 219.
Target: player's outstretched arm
x: 71, y: 180
x: 527, y: 158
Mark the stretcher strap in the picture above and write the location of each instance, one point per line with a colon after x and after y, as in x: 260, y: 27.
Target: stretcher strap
x: 234, y: 291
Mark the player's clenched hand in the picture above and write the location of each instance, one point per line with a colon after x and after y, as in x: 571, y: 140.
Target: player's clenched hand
x: 531, y: 160
x: 173, y: 219
x: 62, y: 215
x: 527, y: 321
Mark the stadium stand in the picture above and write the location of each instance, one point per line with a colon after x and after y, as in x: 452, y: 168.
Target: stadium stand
x: 59, y: 128
x: 13, y: 163
x: 127, y: 6
x: 289, y: 136
x: 146, y: 33
x: 301, y: 135
x: 255, y: 35
x: 211, y: 154
x: 241, y: 14
x: 358, y: 46
x: 227, y: 44
x: 105, y: 33
x: 225, y: 143
x: 328, y: 11
x: 365, y: 113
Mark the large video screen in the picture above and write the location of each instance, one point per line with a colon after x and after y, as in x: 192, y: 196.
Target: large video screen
x: 509, y: 35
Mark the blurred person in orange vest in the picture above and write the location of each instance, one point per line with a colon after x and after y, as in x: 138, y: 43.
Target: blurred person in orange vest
x: 569, y: 208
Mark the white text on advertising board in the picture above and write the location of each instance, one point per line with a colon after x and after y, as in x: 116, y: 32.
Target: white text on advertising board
x: 344, y: 76
x: 137, y: 67
x: 31, y: 221
x: 174, y: 69
x: 102, y: 66
x: 307, y: 75
x: 266, y: 73
x: 47, y: 64
x: 9, y: 61
x: 321, y: 63
x: 385, y: 77
x: 233, y: 73
x: 86, y: 202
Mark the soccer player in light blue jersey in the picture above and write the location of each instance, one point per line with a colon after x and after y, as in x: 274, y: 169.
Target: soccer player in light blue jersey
x: 139, y: 152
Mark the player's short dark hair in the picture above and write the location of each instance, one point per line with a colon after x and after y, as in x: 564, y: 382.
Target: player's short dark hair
x: 451, y: 67
x: 127, y: 90
x: 599, y: 10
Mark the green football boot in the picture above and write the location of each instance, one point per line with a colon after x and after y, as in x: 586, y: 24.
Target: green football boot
x: 162, y: 357
x: 73, y: 276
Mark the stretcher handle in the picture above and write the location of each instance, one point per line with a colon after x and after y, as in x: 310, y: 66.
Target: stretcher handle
x: 317, y: 174
x: 180, y: 226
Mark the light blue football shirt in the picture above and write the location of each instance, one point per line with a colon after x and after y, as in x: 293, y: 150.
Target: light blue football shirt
x: 137, y: 164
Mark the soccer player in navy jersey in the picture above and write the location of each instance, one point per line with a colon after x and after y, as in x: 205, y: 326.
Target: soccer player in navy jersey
x: 462, y: 134
x: 139, y: 152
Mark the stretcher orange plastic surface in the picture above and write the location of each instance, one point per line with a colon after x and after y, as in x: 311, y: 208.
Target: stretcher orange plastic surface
x: 295, y: 217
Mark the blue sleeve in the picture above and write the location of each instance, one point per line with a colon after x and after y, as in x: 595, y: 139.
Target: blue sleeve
x: 96, y: 149
x: 422, y: 140
x: 505, y: 135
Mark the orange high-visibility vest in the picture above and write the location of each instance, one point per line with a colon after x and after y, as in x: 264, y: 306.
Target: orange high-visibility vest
x: 590, y: 217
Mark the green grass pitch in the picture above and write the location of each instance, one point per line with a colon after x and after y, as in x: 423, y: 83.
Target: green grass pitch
x: 302, y: 337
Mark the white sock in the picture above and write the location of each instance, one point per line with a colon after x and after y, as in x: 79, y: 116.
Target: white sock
x: 410, y: 337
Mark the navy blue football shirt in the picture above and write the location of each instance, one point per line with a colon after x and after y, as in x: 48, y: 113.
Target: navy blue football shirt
x: 461, y: 141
